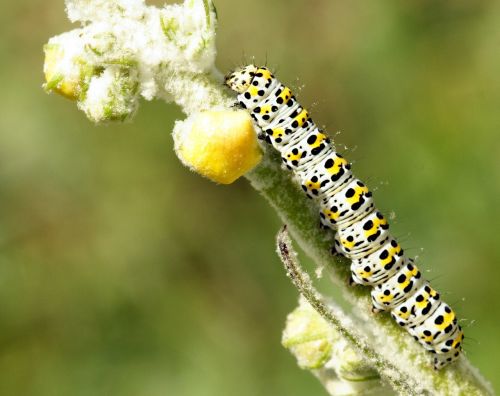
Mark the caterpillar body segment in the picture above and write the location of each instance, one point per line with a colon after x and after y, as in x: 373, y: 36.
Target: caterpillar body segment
x: 347, y: 207
x: 327, y: 178
x: 378, y: 267
x: 339, y: 210
x: 398, y: 288
x: 419, y: 306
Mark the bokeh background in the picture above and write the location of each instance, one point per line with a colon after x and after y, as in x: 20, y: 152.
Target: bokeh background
x: 122, y: 273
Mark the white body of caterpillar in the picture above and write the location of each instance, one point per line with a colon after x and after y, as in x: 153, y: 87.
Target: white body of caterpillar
x: 346, y: 206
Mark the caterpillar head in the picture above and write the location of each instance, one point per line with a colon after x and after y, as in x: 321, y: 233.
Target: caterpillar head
x: 240, y: 79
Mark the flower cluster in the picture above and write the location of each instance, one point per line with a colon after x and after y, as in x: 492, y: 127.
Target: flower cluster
x: 125, y: 50
x: 319, y: 347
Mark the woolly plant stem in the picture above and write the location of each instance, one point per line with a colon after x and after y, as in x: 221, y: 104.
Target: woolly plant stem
x: 302, y: 282
x: 386, y: 343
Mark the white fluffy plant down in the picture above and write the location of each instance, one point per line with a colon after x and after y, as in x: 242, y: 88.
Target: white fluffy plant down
x: 125, y: 50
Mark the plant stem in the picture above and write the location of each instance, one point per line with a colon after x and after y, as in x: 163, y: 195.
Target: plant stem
x: 384, y: 337
x: 302, y: 282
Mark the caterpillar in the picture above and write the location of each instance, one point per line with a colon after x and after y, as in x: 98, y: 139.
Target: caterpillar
x: 347, y: 207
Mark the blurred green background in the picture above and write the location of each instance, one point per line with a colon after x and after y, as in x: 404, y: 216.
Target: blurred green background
x: 122, y: 273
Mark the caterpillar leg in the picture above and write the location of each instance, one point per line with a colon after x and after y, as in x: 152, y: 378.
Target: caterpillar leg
x: 336, y: 253
x: 322, y: 226
x: 262, y: 136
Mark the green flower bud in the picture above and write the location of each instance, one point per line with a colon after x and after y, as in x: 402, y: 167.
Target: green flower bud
x: 66, y: 71
x: 111, y: 95
x: 319, y: 347
x: 308, y: 336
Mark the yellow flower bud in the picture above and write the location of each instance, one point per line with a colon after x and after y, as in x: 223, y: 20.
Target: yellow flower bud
x: 220, y: 145
x: 56, y: 81
x: 308, y: 336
